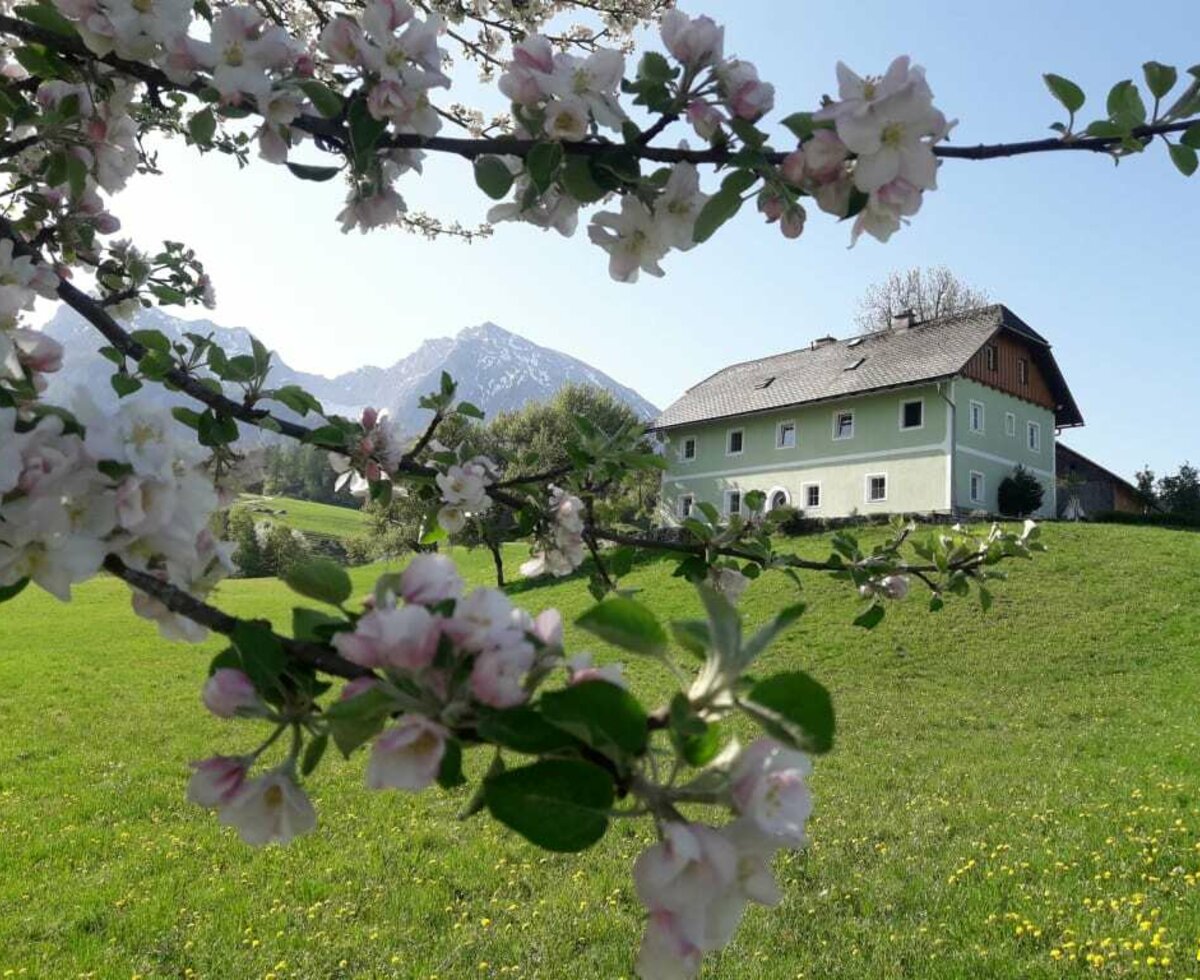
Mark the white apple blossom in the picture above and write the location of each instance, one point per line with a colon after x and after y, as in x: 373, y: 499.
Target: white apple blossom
x: 594, y: 80
x: 633, y: 239
x: 408, y: 755
x: 745, y: 95
x: 228, y: 692
x: 484, y: 619
x: 582, y: 667
x: 886, y: 210
x: 567, y: 119
x: 526, y: 79
x: 705, y: 119
x: 403, y: 638
x: 676, y: 208
x: 216, y: 780
x: 430, y: 578
x: 498, y: 675
x: 270, y: 809
x: 768, y: 785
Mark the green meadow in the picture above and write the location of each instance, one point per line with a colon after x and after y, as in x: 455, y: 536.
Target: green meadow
x: 1011, y: 794
x: 307, y: 516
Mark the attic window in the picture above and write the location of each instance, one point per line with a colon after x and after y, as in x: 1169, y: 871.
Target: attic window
x: 856, y: 341
x: 1023, y: 371
x: 990, y: 356
x: 853, y: 364
x: 762, y: 383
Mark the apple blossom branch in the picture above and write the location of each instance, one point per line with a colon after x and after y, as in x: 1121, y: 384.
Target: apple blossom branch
x: 315, y: 655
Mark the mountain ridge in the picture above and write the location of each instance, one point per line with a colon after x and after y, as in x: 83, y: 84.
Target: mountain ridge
x: 496, y: 369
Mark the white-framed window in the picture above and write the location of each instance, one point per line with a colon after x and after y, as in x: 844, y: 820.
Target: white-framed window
x: 1033, y: 436
x: 843, y: 425
x: 733, y: 502
x: 735, y: 441
x: 778, y: 497
x: 912, y: 413
x: 1010, y: 424
x: 1022, y: 370
x: 876, y: 487
x: 978, y: 487
x: 977, y: 419
x: 687, y: 449
x: 991, y: 356
x: 810, y: 496
x: 785, y: 435
x: 685, y: 503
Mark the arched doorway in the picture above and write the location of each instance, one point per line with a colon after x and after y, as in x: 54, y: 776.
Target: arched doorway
x: 777, y: 498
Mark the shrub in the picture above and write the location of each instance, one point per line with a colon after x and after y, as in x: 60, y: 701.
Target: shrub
x: 1020, y: 494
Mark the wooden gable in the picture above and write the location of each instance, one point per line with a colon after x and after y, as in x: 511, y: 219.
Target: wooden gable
x: 1007, y: 363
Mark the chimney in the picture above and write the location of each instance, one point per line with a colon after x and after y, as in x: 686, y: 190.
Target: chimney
x: 904, y: 320
x: 824, y: 341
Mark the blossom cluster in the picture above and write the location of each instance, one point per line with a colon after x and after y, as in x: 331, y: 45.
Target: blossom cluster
x: 117, y: 483
x: 25, y: 355
x: 697, y: 881
x: 464, y: 492
x: 564, y: 551
x: 374, y: 456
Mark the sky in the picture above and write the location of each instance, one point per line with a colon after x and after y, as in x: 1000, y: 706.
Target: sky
x: 1102, y: 260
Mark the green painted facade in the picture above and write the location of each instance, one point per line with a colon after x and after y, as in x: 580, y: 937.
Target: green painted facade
x: 918, y: 465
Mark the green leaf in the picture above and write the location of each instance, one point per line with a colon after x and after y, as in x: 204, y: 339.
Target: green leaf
x: 798, y: 710
x: 358, y: 719
x: 469, y: 410
x: 1104, y: 128
x: 260, y: 654
x: 739, y: 181
x: 216, y: 430
x: 801, y: 125
x: 307, y: 172
x: 327, y: 102
x: 871, y: 618
x: 493, y: 177
x: 309, y: 624
x: 724, y: 623
x: 1160, y: 78
x: 450, y: 773
x: 124, y: 385
x: 313, y: 753
x: 12, y: 591
x: 1184, y: 158
x: 1191, y: 136
x: 152, y: 340
x: 320, y: 579
x: 1066, y: 91
x: 542, y: 164
x: 522, y: 729
x: 717, y: 210
x: 579, y: 181
x: 202, y: 127
x: 44, y: 15
x: 626, y: 623
x: 185, y: 416
x: 603, y: 715
x: 654, y: 67
x: 558, y: 804
x: 1125, y: 105
x: 693, y: 636
x: 365, y: 131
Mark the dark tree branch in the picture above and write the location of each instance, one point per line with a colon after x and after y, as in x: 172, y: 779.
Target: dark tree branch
x: 315, y: 655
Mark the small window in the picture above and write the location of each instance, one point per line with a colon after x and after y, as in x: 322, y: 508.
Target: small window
x: 1023, y: 371
x: 976, y: 416
x: 856, y: 341
x: 876, y: 488
x: 734, y: 441
x: 762, y: 383
x: 1035, y: 437
x: 689, y: 448
x: 733, y: 502
x: 912, y: 414
x: 1010, y: 424
x: 812, y: 496
x: 686, y: 502
x: 785, y: 435
x: 843, y: 425
x: 779, y: 498
x: 854, y: 365
x: 991, y: 356
x: 977, y: 487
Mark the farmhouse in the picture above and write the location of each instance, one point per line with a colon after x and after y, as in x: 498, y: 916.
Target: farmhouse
x: 918, y: 418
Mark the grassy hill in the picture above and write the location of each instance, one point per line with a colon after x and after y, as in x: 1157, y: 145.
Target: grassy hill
x: 307, y: 516
x: 1012, y: 795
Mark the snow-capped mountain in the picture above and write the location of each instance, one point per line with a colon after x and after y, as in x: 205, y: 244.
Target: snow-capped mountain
x: 495, y: 369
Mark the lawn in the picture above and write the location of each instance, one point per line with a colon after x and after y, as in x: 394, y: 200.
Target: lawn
x: 1012, y: 795
x: 307, y: 516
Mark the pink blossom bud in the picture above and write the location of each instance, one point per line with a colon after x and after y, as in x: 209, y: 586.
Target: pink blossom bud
x: 771, y: 205
x: 229, y: 692
x: 216, y: 780
x: 548, y: 627
x: 306, y: 65
x: 824, y: 155
x: 894, y: 586
x: 792, y: 223
x: 705, y: 119
x: 106, y: 224
x: 369, y: 417
x: 408, y: 755
x: 792, y: 168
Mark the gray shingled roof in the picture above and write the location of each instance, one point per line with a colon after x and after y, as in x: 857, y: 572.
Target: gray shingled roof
x: 889, y: 359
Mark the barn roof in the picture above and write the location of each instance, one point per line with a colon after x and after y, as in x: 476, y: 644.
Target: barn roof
x: 830, y: 369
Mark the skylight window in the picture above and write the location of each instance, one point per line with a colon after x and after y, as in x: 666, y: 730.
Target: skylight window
x: 853, y: 364
x: 856, y: 341
x: 764, y: 383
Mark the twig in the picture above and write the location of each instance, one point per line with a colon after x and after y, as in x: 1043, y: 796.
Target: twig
x: 315, y: 655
